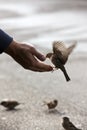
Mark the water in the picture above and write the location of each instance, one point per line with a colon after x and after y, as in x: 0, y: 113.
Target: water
x: 40, y: 22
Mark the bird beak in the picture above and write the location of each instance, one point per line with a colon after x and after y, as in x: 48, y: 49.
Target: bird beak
x: 49, y: 55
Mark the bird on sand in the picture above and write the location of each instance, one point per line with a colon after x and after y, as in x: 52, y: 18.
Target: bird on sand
x: 60, y: 55
x: 51, y: 104
x: 9, y: 104
x: 67, y: 125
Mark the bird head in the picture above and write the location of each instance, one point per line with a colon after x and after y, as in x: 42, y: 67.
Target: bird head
x: 49, y: 55
x: 3, y: 103
x: 55, y: 101
x: 65, y: 118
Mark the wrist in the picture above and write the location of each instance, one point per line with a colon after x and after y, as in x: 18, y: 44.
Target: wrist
x: 11, y: 49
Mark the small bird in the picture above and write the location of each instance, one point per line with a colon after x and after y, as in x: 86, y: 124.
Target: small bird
x: 9, y: 104
x: 67, y: 125
x: 60, y: 55
x: 51, y: 104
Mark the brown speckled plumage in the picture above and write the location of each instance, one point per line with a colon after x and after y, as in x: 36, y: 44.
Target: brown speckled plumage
x: 60, y: 55
x: 51, y: 104
x: 9, y: 104
x: 67, y: 125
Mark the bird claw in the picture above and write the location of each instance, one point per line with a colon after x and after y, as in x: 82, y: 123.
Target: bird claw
x: 54, y: 69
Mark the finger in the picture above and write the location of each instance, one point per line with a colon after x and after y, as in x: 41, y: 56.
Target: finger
x: 38, y: 54
x: 37, y: 65
x: 38, y: 70
x: 43, y: 67
x: 35, y: 69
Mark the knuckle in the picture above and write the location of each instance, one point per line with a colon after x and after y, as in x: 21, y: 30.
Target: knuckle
x: 32, y: 48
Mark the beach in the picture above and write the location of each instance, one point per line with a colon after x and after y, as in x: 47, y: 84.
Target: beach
x: 40, y: 23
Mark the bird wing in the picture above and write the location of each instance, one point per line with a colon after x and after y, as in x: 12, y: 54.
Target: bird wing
x: 58, y: 47
x: 70, y: 48
x: 60, y: 50
x: 71, y: 125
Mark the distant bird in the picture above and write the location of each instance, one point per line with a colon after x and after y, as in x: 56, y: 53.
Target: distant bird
x: 67, y: 125
x: 9, y: 104
x: 51, y: 104
x: 60, y: 55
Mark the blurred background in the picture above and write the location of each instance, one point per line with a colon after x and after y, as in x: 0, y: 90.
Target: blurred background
x: 40, y: 22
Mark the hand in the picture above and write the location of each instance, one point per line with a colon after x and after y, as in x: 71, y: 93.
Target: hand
x: 28, y: 57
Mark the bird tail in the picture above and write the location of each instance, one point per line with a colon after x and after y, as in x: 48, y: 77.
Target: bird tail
x: 65, y: 73
x: 70, y: 48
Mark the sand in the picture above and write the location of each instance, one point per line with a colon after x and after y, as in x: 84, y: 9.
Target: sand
x: 32, y: 88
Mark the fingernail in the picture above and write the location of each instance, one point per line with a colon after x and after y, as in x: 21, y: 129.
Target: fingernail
x: 43, y: 57
x: 50, y: 68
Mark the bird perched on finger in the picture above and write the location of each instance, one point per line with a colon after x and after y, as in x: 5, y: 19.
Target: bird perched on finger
x: 60, y: 55
x: 51, y: 104
x: 67, y: 125
x: 9, y: 104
